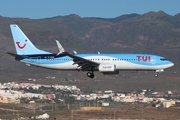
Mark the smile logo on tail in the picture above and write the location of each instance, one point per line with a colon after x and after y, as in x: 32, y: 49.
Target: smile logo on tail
x: 19, y: 46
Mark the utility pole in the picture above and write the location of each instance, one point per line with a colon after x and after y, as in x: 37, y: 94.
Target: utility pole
x: 34, y: 109
x: 72, y: 115
x: 13, y: 109
x: 18, y: 116
x: 68, y: 105
x: 114, y: 115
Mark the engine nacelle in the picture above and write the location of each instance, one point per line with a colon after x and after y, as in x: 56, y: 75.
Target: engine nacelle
x: 107, y: 68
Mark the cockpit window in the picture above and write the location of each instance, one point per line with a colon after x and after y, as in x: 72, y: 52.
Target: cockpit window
x: 163, y: 59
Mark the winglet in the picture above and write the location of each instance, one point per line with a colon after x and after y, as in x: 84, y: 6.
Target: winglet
x: 60, y: 47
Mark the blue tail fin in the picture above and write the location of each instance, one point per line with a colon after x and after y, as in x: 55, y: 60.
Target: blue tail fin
x: 22, y: 44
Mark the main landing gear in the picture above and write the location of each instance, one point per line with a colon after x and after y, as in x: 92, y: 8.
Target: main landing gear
x: 90, y: 74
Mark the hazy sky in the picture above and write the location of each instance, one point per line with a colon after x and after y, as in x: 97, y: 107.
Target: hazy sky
x: 85, y: 8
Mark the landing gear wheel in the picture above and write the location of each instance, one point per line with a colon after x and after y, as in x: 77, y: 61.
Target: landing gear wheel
x: 156, y: 75
x: 90, y: 74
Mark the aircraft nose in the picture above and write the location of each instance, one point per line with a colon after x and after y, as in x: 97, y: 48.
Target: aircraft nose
x: 171, y: 64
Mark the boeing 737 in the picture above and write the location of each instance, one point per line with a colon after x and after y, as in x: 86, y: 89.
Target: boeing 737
x: 105, y: 63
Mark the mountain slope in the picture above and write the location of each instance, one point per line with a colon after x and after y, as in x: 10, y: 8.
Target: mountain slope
x: 153, y: 32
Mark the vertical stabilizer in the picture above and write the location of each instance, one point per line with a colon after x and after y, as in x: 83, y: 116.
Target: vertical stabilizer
x: 22, y: 44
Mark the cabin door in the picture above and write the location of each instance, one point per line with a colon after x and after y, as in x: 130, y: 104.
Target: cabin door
x: 39, y: 59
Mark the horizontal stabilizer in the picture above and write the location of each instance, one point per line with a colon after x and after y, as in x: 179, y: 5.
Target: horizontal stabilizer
x: 16, y: 55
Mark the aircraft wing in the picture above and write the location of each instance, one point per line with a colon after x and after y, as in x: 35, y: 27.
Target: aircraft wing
x: 84, y: 64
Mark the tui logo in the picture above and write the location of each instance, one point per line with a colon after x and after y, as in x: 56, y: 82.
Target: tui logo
x: 21, y: 47
x: 143, y: 58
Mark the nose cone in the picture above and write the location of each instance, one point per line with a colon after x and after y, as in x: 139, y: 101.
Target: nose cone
x: 170, y: 64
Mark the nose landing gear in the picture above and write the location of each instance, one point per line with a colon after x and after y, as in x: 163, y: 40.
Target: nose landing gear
x: 158, y: 71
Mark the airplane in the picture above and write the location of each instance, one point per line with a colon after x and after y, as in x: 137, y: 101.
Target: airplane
x: 108, y: 64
